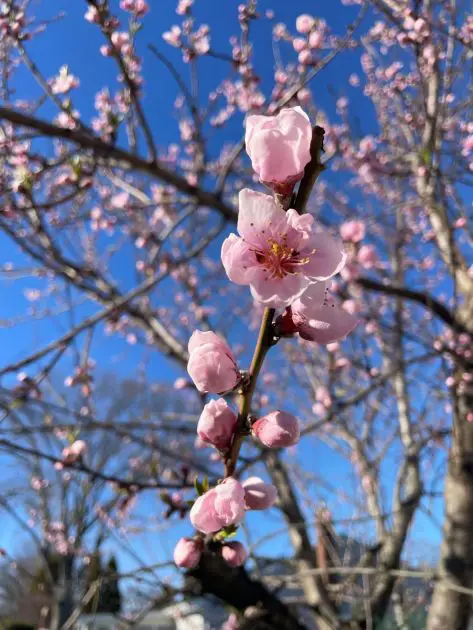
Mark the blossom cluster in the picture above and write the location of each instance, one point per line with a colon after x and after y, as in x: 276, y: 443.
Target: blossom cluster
x: 287, y: 261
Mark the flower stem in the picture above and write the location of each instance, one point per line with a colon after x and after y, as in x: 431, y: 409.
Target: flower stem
x: 265, y: 341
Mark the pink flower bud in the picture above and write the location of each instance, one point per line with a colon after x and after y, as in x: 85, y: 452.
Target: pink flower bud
x: 181, y: 383
x: 279, y: 147
x: 315, y: 39
x: 234, y: 553
x: 353, y: 231
x: 304, y: 96
x: 219, y: 507
x: 277, y: 429
x: 299, y: 44
x: 259, y: 495
x: 211, y: 364
x: 106, y: 51
x: 217, y: 424
x: 304, y: 23
x: 187, y: 553
x: 305, y: 57
x: 367, y: 256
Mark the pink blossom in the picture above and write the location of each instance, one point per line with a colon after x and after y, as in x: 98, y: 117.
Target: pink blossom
x: 259, y: 495
x: 74, y: 452
x: 106, y: 51
x: 201, y: 40
x: 92, y: 15
x: 354, y: 80
x: 121, y: 41
x: 304, y: 23
x: 279, y: 146
x: 367, y: 256
x: 181, y: 383
x: 173, y: 37
x: 219, y: 507
x: 68, y: 121
x: 305, y: 57
x: 234, y: 553
x: 211, y: 364
x: 277, y: 429
x: 467, y: 145
x: 217, y: 424
x: 120, y: 200
x: 322, y: 395
x: 187, y: 553
x: 64, y: 82
x: 280, y: 31
x: 278, y: 253
x: 138, y: 7
x: 353, y: 231
x: 304, y: 96
x: 299, y: 44
x: 318, y: 318
x: 315, y: 39
x: 184, y: 6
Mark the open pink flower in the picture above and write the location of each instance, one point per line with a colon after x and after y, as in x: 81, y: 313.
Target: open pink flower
x: 217, y: 424
x: 353, y: 231
x: 277, y: 429
x: 279, y: 147
x: 278, y: 253
x: 138, y: 7
x: 317, y: 317
x: 219, y: 507
x: 211, y: 363
x: 259, y: 495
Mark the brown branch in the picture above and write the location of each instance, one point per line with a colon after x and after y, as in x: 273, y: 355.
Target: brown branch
x: 235, y: 587
x: 312, y: 171
x: 111, y: 152
x: 80, y: 466
x: 425, y: 299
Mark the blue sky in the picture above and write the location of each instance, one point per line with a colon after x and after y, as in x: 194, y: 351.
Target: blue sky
x: 75, y: 42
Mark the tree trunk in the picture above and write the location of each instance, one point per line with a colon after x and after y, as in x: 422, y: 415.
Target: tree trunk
x: 66, y: 603
x: 451, y: 609
x: 304, y: 553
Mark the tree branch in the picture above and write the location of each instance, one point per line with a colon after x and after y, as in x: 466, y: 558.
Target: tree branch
x: 151, y: 167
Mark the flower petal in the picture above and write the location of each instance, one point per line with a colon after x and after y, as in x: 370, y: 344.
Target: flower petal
x: 238, y: 259
x: 328, y: 323
x: 259, y: 217
x: 277, y: 292
x: 328, y: 258
x: 312, y: 299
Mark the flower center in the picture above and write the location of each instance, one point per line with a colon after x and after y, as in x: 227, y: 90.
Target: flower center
x: 280, y: 259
